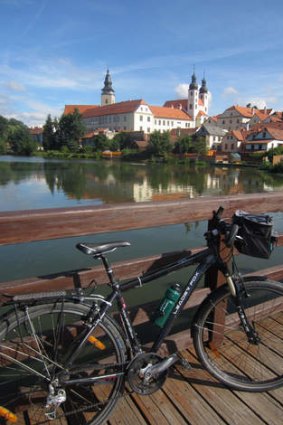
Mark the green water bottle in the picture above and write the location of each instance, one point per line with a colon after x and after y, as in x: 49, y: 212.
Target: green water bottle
x: 169, y: 301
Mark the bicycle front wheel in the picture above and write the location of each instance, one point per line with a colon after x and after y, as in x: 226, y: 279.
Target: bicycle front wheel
x: 34, y: 343
x: 223, y: 346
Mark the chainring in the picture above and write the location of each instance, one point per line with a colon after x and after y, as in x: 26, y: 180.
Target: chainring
x: 136, y: 374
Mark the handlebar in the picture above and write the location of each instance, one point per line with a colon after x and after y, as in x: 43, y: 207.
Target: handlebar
x: 220, y: 226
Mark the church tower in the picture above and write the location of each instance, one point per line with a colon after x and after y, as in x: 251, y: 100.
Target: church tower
x: 203, y: 95
x: 193, y: 98
x: 107, y: 93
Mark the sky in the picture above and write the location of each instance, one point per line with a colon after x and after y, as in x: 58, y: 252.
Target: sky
x: 57, y: 52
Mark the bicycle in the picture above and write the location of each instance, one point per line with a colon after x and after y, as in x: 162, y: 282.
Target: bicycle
x: 64, y: 359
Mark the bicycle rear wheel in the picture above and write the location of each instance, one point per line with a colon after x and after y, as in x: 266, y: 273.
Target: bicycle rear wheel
x: 223, y: 346
x: 33, y: 347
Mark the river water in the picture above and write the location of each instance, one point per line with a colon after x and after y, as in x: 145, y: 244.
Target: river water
x: 34, y: 183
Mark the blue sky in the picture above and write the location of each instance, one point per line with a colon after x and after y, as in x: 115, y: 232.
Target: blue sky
x: 56, y: 52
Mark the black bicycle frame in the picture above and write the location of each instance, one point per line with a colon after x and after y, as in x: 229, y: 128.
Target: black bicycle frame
x: 205, y: 259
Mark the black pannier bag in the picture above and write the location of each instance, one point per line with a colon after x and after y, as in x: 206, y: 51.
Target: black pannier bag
x: 257, y: 237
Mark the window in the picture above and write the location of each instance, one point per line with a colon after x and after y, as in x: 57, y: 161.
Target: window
x: 148, y: 119
x: 141, y: 118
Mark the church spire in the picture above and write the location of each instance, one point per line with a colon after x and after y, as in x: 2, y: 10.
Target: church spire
x: 203, y: 88
x: 107, y: 93
x: 193, y: 85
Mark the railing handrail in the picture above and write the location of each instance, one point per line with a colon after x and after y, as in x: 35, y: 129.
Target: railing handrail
x: 27, y: 226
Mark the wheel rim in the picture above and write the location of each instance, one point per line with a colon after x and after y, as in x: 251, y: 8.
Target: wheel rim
x: 26, y: 395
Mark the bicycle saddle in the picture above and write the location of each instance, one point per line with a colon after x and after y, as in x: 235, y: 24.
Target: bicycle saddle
x: 97, y: 250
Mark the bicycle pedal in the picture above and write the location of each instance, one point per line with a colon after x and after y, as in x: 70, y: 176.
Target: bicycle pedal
x: 184, y: 363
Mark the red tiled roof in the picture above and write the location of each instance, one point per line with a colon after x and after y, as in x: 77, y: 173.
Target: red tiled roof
x: 238, y: 135
x: 261, y: 115
x: 36, y: 130
x: 69, y: 109
x: 114, y: 108
x: 183, y: 103
x: 243, y: 110
x: 276, y: 133
x: 171, y: 113
x: 201, y: 113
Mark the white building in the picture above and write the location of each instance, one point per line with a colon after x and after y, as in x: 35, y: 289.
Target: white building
x: 264, y: 139
x: 196, y: 105
x: 137, y: 115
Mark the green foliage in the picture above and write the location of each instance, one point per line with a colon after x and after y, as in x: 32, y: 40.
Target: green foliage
x: 65, y: 133
x: 3, y: 148
x: 100, y: 143
x: 275, y: 151
x: 159, y: 143
x: 20, y: 140
x: 49, y: 134
x: 191, y: 144
x: 15, y: 137
x: 70, y: 131
x: 122, y: 141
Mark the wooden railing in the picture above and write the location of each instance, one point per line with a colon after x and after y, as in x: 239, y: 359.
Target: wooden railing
x: 27, y: 226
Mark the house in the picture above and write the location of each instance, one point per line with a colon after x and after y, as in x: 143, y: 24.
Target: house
x: 213, y: 135
x: 37, y: 135
x: 262, y: 139
x: 233, y: 140
x: 237, y: 117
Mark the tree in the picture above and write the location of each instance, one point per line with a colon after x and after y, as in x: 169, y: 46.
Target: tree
x: 20, y: 140
x: 49, y: 134
x: 191, y: 144
x: 70, y: 130
x: 159, y: 143
x: 123, y: 140
x: 101, y: 143
x: 184, y: 144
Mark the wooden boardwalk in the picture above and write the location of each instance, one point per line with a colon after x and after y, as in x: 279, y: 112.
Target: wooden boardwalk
x: 194, y: 397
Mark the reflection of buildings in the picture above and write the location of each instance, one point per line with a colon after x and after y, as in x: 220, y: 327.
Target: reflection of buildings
x: 145, y: 192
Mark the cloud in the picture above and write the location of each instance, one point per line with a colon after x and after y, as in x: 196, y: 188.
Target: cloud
x: 182, y: 90
x: 15, y: 86
x: 229, y: 91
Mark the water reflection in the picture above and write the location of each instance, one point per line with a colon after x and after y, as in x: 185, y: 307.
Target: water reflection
x: 110, y: 182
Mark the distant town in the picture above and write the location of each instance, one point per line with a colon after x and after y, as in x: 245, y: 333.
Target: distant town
x: 180, y: 126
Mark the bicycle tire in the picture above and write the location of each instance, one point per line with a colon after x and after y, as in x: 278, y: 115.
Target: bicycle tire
x: 55, y: 326
x: 222, y: 345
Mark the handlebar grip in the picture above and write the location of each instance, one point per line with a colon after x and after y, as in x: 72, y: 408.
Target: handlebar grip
x: 218, y: 214
x: 232, y: 235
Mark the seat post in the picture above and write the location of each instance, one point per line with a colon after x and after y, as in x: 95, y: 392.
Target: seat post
x: 108, y: 269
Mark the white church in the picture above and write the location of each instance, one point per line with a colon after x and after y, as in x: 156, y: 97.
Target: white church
x: 138, y: 115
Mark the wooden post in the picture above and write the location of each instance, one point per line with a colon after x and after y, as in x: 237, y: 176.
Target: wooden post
x: 214, y: 279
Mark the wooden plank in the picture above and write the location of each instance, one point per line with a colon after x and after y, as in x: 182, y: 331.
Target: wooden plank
x: 190, y: 403
x: 222, y: 399
x: 26, y: 226
x: 157, y: 409
x: 126, y: 413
